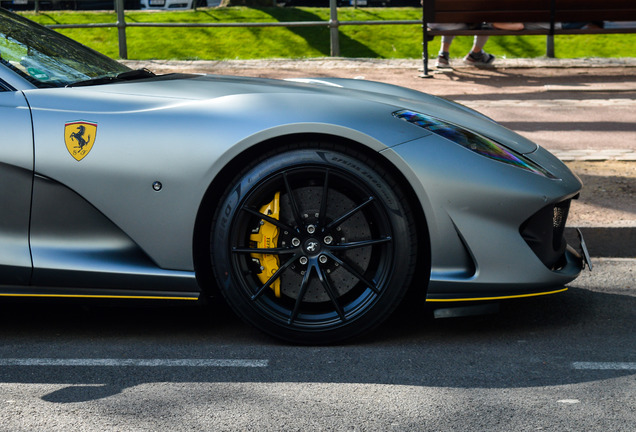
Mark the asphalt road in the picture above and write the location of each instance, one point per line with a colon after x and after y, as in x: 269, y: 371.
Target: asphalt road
x: 565, y: 362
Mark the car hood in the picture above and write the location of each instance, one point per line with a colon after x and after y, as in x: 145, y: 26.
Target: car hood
x: 200, y: 87
x: 174, y: 88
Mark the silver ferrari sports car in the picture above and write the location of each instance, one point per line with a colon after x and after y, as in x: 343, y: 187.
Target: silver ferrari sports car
x: 312, y: 206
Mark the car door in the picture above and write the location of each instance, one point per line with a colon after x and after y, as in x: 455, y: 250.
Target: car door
x: 16, y: 180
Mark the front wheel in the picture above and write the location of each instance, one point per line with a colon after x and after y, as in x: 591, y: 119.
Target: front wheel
x: 313, y: 245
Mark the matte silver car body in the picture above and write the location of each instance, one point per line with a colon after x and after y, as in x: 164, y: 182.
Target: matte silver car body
x: 182, y: 131
x: 312, y: 204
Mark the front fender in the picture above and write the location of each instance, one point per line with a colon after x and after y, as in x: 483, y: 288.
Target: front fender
x: 184, y: 145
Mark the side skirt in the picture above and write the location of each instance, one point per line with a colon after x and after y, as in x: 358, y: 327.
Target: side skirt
x: 90, y: 293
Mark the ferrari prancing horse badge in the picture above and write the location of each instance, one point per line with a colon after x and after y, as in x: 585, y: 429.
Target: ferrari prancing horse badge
x: 79, y: 137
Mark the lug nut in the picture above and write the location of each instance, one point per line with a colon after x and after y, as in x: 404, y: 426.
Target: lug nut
x: 295, y: 242
x: 328, y: 240
x: 303, y: 260
x: 311, y: 229
x: 323, y: 259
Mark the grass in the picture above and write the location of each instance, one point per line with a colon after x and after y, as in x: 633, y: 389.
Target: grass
x: 391, y: 41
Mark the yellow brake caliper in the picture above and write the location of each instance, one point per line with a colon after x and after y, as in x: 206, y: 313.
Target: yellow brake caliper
x: 266, y: 237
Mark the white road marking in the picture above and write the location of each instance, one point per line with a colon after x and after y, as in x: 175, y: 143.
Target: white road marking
x: 240, y: 363
x: 604, y: 365
x: 569, y: 401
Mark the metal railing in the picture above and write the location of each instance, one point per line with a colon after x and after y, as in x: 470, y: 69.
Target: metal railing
x: 333, y: 24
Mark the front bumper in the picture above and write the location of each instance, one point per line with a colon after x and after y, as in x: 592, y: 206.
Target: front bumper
x: 495, y: 231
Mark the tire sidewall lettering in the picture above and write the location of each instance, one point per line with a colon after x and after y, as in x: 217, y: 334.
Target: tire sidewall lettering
x: 365, y: 173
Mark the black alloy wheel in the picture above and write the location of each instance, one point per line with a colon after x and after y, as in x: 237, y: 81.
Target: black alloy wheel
x: 313, y: 246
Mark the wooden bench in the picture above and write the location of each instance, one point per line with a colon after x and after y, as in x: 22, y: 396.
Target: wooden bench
x: 550, y: 12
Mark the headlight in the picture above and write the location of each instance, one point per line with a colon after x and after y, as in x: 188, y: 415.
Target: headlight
x: 472, y: 141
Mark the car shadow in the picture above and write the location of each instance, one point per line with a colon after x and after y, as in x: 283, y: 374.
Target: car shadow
x: 530, y: 342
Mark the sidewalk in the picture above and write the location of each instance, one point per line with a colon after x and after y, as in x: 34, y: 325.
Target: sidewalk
x: 582, y: 110
x: 357, y: 63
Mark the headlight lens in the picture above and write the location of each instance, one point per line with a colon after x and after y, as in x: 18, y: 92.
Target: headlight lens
x: 472, y: 141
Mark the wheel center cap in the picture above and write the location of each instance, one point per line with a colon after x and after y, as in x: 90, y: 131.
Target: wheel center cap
x: 312, y: 246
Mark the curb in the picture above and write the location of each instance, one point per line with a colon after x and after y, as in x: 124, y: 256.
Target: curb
x: 623, y: 155
x: 545, y: 62
x: 352, y: 63
x: 608, y: 242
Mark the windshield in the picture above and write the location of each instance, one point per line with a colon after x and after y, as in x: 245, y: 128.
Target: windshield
x: 47, y: 58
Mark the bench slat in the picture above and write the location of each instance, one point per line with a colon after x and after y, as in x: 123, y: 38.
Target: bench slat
x: 476, y: 11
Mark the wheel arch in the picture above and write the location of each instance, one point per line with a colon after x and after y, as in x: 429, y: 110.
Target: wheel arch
x: 264, y: 149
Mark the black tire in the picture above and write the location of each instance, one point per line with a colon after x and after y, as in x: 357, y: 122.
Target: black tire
x: 344, y: 262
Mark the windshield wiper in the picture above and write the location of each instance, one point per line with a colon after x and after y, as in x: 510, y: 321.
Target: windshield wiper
x: 124, y: 76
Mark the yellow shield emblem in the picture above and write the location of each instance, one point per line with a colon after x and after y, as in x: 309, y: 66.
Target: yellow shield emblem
x: 79, y: 137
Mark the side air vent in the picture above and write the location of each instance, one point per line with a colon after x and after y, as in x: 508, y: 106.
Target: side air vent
x: 544, y: 233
